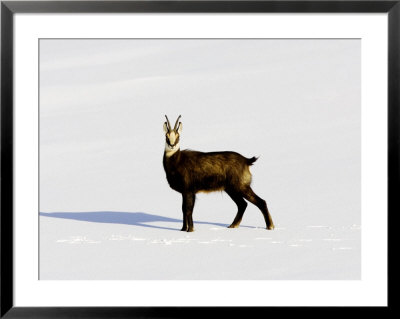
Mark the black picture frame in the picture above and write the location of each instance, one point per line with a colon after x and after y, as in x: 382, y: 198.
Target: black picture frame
x: 9, y: 8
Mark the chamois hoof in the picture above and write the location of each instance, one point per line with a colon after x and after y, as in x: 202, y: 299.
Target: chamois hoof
x: 184, y: 229
x: 271, y: 227
x: 233, y: 226
x: 190, y: 230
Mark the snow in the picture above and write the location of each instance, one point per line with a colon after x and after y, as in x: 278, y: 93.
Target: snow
x: 123, y: 245
x: 106, y: 210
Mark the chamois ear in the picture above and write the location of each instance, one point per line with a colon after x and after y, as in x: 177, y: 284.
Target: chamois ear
x: 165, y: 128
x: 180, y: 127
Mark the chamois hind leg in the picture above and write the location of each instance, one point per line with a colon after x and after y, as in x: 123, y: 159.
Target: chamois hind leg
x: 241, y: 204
x: 187, y: 209
x: 261, y: 204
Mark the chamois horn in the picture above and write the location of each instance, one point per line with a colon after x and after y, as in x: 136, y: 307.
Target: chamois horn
x: 176, y: 123
x: 168, y: 124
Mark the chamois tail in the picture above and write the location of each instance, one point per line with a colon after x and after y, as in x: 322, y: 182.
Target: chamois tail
x: 250, y: 161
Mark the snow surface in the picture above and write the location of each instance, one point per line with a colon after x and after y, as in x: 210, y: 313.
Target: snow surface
x: 123, y: 245
x: 106, y: 210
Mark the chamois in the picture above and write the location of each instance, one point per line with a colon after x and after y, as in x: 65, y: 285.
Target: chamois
x: 189, y: 172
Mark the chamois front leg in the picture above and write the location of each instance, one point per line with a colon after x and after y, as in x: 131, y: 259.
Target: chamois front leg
x: 188, y: 200
x: 185, y: 225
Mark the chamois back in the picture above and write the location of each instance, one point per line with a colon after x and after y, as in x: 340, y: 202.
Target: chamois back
x: 200, y: 171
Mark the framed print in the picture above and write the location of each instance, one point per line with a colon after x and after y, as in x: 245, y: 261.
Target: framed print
x: 160, y: 156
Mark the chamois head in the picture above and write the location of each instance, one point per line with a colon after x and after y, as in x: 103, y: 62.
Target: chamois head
x: 172, y: 136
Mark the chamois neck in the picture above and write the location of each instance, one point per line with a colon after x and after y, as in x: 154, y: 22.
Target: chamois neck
x: 169, y: 151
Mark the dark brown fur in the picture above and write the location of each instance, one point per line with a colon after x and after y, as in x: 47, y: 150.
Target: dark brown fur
x: 190, y: 172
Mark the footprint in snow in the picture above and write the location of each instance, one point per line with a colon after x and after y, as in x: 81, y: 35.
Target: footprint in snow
x: 78, y: 240
x: 318, y: 226
x: 138, y: 239
x: 162, y: 241
x: 221, y: 240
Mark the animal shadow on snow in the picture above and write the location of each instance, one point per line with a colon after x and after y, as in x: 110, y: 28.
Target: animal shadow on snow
x: 125, y: 218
